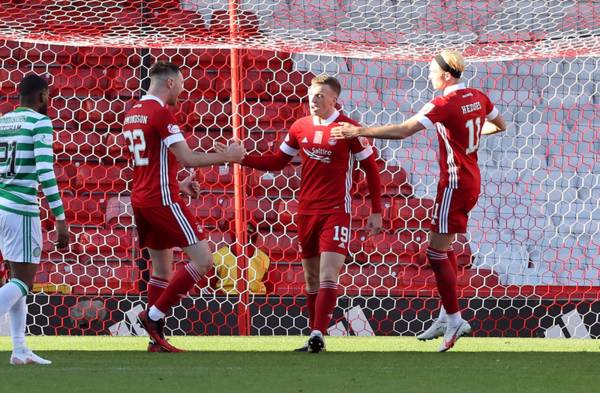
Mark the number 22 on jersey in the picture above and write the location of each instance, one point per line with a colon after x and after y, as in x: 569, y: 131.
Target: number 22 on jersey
x: 137, y: 145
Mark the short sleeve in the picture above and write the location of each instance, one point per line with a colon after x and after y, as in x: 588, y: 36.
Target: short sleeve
x: 490, y: 110
x: 167, y: 127
x: 290, y: 145
x: 360, y: 147
x: 433, y: 112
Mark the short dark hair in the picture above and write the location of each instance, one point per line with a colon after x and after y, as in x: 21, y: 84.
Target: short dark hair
x: 163, y: 68
x: 329, y: 81
x: 32, y: 84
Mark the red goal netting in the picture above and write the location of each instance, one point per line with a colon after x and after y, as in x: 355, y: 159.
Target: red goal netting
x: 529, y: 265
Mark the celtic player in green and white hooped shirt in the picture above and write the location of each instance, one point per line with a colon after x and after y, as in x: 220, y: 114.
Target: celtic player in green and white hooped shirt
x: 26, y: 162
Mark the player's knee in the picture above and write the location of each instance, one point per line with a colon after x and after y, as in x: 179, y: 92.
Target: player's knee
x: 202, y: 265
x: 312, y: 280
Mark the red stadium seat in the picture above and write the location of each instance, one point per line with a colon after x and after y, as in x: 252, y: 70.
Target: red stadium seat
x: 207, y: 209
x: 412, y: 213
x: 98, y: 178
x: 279, y: 246
x: 119, y: 212
x: 101, y: 114
x: 248, y: 23
x: 290, y: 86
x: 84, y: 211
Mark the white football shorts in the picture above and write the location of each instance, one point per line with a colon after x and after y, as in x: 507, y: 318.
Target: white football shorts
x: 20, y: 237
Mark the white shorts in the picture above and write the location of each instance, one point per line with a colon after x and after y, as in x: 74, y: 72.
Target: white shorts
x: 20, y: 237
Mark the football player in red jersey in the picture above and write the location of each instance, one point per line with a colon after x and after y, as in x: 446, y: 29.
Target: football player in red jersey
x: 157, y: 147
x: 459, y: 116
x: 324, y: 204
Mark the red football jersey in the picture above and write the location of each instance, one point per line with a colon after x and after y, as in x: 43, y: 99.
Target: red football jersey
x: 150, y: 128
x: 458, y: 117
x: 327, y: 163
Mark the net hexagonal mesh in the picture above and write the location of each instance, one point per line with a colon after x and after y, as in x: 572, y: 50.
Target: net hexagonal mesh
x: 528, y: 265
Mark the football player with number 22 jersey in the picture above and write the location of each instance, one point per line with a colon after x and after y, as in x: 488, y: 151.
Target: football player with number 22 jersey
x: 157, y: 147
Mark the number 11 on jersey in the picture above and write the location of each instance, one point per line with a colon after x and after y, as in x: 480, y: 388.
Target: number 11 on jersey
x: 474, y: 126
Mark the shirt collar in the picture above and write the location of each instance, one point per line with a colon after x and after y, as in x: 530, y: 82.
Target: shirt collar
x: 320, y: 122
x: 152, y: 97
x: 453, y: 88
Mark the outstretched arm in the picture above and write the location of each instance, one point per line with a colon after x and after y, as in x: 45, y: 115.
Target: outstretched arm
x: 189, y: 158
x: 394, y: 131
x: 264, y: 162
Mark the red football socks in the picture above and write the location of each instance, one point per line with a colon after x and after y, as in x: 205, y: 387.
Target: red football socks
x: 156, y: 286
x: 325, y: 304
x: 184, y: 279
x: 445, y: 277
x: 311, y: 303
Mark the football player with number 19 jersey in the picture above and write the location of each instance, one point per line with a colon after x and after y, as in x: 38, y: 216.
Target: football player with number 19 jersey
x: 324, y: 204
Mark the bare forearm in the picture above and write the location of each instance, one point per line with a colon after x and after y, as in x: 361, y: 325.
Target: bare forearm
x: 393, y: 131
x: 197, y: 159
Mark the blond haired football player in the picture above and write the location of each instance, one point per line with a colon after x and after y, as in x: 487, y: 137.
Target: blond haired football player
x: 460, y: 115
x: 325, y: 201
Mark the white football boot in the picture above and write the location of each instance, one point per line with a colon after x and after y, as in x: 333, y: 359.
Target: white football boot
x: 437, y: 329
x: 453, y: 333
x: 19, y: 358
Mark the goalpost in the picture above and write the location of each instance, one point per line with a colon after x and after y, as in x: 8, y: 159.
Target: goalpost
x: 530, y: 263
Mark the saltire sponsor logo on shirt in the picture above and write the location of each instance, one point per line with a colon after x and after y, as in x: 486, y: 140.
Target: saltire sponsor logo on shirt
x: 316, y: 156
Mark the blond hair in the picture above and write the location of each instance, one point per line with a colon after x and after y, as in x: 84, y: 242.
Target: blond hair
x: 328, y: 80
x: 454, y: 59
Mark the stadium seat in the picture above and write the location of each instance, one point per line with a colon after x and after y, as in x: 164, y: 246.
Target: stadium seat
x: 282, y: 184
x: 261, y: 59
x: 248, y: 24
x: 122, y: 82
x: 107, y: 57
x: 272, y: 115
x: 119, y: 212
x: 207, y: 209
x: 264, y: 211
x: 101, y: 244
x: 285, y: 279
x: 369, y: 280
x: 101, y: 114
x: 78, y: 81
x: 405, y: 247
x: 288, y: 86
x: 410, y: 213
x: 84, y: 211
x: 215, y: 178
x: 99, y: 178
x: 279, y: 246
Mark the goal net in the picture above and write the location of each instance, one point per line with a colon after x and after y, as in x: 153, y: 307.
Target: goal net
x: 529, y: 264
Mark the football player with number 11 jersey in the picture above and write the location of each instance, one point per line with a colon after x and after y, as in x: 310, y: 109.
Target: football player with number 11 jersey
x: 459, y: 116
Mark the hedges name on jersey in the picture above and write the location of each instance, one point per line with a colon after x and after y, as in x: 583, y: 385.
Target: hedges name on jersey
x: 458, y: 117
x: 327, y: 163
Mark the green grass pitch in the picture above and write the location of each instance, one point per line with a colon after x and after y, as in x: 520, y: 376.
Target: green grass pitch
x: 265, y: 365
